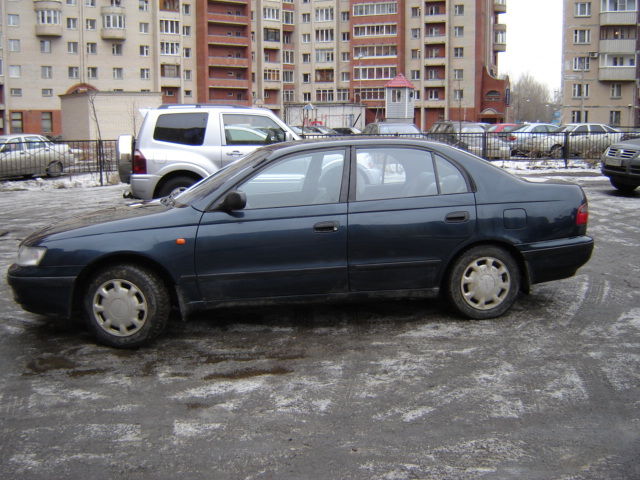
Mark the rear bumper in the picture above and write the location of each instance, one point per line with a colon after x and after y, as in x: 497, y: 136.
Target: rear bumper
x: 51, y: 296
x: 143, y: 186
x: 556, y: 259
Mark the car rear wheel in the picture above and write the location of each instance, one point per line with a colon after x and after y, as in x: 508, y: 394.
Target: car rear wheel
x: 484, y: 282
x: 623, y: 187
x: 54, y: 169
x: 175, y: 185
x: 126, y: 306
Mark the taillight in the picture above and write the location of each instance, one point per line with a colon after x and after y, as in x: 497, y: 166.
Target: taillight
x: 139, y: 164
x: 582, y: 217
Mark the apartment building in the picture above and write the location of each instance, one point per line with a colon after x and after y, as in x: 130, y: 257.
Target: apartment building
x: 271, y: 53
x: 600, y: 67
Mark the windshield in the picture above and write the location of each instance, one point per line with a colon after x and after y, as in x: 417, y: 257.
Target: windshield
x: 213, y: 181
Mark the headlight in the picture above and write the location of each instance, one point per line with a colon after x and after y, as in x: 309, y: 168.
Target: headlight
x: 30, y: 256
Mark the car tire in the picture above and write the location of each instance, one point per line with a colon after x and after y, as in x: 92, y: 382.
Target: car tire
x: 55, y: 169
x: 126, y: 306
x: 623, y: 187
x: 556, y: 152
x: 175, y: 185
x: 484, y: 282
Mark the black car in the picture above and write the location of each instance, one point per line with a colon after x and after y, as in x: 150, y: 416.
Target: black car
x: 621, y: 163
x: 330, y: 219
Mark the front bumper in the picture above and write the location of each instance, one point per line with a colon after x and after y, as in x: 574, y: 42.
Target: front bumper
x: 51, y: 296
x: 556, y: 259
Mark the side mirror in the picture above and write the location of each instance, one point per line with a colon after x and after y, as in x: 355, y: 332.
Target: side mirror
x: 234, y: 200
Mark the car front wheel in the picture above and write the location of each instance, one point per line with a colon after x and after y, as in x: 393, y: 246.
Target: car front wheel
x: 623, y: 187
x: 484, y: 282
x: 126, y: 306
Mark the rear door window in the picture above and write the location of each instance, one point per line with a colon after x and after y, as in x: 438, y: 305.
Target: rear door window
x: 181, y: 128
x: 246, y: 129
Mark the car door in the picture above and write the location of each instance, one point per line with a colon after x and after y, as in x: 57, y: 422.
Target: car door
x: 405, y: 223
x: 290, y: 239
x: 39, y: 153
x: 14, y: 158
x: 242, y: 133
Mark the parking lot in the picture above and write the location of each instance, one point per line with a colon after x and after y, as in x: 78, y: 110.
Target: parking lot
x: 393, y: 390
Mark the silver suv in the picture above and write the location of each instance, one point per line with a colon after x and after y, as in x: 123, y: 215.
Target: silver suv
x: 179, y: 145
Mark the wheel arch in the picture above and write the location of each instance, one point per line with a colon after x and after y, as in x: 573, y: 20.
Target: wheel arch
x: 83, y: 279
x: 525, y: 279
x: 175, y: 174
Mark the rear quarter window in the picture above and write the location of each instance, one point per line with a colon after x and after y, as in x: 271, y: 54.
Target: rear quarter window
x: 181, y: 128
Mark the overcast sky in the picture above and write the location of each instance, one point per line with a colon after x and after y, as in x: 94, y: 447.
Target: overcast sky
x: 534, y: 41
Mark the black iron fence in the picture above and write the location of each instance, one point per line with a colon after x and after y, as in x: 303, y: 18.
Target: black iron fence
x: 37, y: 157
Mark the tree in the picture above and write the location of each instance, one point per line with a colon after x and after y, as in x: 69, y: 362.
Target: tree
x: 531, y: 100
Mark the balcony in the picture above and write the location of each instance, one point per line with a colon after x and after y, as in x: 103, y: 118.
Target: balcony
x: 617, y: 74
x: 113, y: 33
x: 47, y: 5
x: 436, y: 18
x: 48, y: 30
x: 627, y: 45
x: 228, y: 39
x: 435, y: 83
x: 228, y: 62
x: 227, y: 19
x: 48, y: 18
x: 500, y: 6
x: 618, y: 18
x: 435, y: 61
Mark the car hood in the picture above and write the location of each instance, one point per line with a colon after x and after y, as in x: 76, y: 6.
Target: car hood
x: 632, y: 143
x: 140, y: 216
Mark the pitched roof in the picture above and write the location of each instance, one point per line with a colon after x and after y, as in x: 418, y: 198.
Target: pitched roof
x: 400, y: 81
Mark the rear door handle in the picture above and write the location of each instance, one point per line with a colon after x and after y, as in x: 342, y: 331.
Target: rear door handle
x: 457, y: 217
x: 326, y: 227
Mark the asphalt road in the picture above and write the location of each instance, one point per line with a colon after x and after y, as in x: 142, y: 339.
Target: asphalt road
x: 395, y: 390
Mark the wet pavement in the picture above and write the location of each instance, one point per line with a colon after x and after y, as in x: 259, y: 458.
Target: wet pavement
x: 386, y: 390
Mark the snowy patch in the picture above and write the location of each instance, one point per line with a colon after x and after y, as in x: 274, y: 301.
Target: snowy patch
x: 195, y: 429
x: 220, y: 388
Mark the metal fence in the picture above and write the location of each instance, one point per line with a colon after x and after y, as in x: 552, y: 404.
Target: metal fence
x: 19, y: 159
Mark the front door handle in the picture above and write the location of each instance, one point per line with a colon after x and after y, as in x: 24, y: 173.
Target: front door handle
x: 326, y: 227
x: 235, y: 153
x: 457, y: 217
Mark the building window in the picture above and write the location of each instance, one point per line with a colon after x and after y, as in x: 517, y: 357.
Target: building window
x: 578, y: 116
x: 324, y: 35
x: 170, y: 27
x: 287, y: 95
x: 306, y: 78
x: 306, y: 58
x: 144, y: 50
x: 169, y: 48
x: 143, y: 5
x: 72, y: 23
x: 415, y: 12
x: 15, y: 92
x: 344, y: 16
x: 346, y: 36
x: 615, y: 117
x: 379, y: 30
x: 366, y: 9
x: 415, y: 54
x: 306, y: 96
x: 271, y: 13
x: 118, y: 73
x: 186, y: 31
x: 415, y: 33
x: 188, y: 93
x: 14, y: 45
x: 287, y: 17
x: 580, y: 90
x: 72, y: 47
x: 458, y: 9
x: 47, y: 92
x: 13, y: 20
x: 324, y: 55
x: 324, y: 95
x: 16, y: 122
x: 306, y: 18
x: 345, y: 76
x: 581, y: 36
x: 186, y: 52
x: 581, y: 64
x: 458, y: 74
x: 415, y: 74
x: 433, y: 94
x: 375, y: 73
x: 582, y: 9
x: 324, y: 14
x: 458, y: 52
x: 143, y: 27
x: 46, y: 71
x: 15, y: 71
x: 306, y: 38
x: 458, y: 31
x: 458, y: 94
x: 616, y: 90
x: 92, y: 48
x: 618, y: 6
x: 271, y: 35
x: 48, y: 17
x: 90, y: 24
x: 145, y: 73
x: 73, y: 72
x: 343, y: 95
x: 287, y: 76
x: 187, y: 75
x: 45, y: 46
x: 288, y: 57
x: 90, y: 3
x: 92, y: 72
x: 113, y: 21
x: 116, y: 49
x: 186, y: 9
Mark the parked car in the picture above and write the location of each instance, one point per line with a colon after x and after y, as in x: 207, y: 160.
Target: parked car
x: 391, y: 128
x: 470, y: 136
x: 178, y: 145
x: 348, y: 131
x: 582, y: 139
x: 525, y: 139
x: 27, y: 155
x: 289, y: 222
x: 314, y: 130
x: 621, y: 163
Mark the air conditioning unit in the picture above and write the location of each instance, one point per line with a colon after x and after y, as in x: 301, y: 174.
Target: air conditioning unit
x: 593, y: 54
